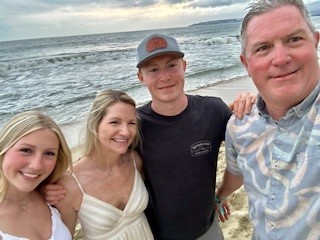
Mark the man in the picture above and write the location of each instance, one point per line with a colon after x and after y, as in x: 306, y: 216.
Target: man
x: 181, y: 136
x: 275, y: 151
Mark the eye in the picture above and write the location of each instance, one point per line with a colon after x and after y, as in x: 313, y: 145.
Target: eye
x: 25, y: 150
x: 294, y: 39
x: 132, y: 123
x: 115, y: 122
x: 173, y: 65
x: 50, y: 153
x: 262, y: 48
x: 153, y: 70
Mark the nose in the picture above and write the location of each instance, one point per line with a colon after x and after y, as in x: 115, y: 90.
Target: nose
x: 36, y: 162
x: 124, y: 130
x: 164, y: 74
x: 281, y: 56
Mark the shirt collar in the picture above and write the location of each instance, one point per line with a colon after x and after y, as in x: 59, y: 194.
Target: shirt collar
x: 298, y: 110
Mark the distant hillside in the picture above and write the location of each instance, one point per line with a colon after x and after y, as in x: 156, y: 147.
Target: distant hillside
x: 218, y: 21
x: 314, y: 8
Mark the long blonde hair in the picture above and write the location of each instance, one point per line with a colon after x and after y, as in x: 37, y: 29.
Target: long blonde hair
x: 21, y: 125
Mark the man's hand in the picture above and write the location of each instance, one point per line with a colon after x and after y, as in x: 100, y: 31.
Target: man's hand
x: 242, y: 104
x: 53, y: 193
x: 223, y: 209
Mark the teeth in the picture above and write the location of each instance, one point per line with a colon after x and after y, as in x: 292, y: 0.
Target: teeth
x: 120, y: 140
x: 30, y: 175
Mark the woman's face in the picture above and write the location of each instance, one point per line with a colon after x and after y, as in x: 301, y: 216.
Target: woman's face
x: 118, y: 127
x: 31, y: 160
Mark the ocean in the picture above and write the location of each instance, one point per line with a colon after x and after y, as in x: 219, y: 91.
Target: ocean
x: 62, y: 75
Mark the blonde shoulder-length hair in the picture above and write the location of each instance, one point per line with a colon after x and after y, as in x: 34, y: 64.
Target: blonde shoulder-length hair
x: 98, y: 110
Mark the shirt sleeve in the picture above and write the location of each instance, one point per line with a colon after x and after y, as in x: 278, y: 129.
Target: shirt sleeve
x: 230, y: 150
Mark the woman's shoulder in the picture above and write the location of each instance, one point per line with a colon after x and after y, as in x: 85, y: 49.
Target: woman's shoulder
x: 69, y: 182
x: 66, y: 179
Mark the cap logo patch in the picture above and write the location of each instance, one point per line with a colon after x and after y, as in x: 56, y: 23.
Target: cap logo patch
x: 156, y: 43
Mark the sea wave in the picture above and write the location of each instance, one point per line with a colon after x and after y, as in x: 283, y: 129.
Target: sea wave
x: 222, y: 40
x: 59, y: 60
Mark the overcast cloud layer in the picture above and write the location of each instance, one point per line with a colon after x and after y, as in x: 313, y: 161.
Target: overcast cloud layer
x: 21, y: 19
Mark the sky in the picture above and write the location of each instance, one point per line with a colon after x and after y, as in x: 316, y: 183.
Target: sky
x: 25, y: 19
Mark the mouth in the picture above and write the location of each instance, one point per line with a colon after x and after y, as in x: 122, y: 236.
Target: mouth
x: 166, y: 87
x: 121, y: 140
x: 30, y: 175
x: 285, y: 75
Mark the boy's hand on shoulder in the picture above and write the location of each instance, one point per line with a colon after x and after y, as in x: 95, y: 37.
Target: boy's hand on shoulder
x: 242, y: 104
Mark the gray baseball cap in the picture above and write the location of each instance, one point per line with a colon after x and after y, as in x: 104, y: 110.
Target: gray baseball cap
x: 156, y: 45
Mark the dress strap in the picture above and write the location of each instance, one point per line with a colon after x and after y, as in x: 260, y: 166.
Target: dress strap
x: 77, y: 181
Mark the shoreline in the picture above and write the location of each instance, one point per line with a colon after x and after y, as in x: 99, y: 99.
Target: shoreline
x: 227, y: 90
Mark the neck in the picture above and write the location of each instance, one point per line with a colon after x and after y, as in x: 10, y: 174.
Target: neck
x: 106, y: 161
x: 171, y: 108
x: 20, y: 200
x: 277, y: 115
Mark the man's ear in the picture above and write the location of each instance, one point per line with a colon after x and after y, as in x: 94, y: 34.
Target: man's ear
x: 140, y: 76
x: 316, y: 39
x: 244, y: 62
x: 184, y: 65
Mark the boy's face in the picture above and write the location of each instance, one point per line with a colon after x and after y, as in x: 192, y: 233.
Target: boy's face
x: 164, y: 77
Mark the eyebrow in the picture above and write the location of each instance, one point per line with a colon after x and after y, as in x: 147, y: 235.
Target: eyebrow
x: 295, y: 32
x: 33, y: 146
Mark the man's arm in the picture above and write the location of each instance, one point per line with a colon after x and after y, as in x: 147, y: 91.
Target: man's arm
x: 230, y: 183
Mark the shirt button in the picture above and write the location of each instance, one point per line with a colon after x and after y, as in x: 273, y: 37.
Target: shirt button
x: 282, y: 129
x: 273, y: 196
x: 271, y: 227
x: 276, y: 163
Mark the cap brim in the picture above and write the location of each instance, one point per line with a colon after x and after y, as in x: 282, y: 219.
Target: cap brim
x: 142, y: 62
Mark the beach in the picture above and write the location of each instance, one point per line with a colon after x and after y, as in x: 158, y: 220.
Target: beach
x: 238, y: 226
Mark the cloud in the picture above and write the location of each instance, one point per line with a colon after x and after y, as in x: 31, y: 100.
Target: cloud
x: 213, y: 3
x: 20, y: 19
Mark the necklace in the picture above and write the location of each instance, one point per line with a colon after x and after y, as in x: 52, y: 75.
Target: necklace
x: 21, y: 203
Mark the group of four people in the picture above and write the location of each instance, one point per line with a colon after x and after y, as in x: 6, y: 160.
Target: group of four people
x: 272, y: 151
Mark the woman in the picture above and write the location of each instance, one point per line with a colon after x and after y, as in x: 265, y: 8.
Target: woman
x: 105, y: 189
x: 33, y: 152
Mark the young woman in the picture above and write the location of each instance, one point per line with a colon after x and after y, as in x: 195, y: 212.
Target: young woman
x: 33, y: 152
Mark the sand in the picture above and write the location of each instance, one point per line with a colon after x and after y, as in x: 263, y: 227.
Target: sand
x: 238, y: 226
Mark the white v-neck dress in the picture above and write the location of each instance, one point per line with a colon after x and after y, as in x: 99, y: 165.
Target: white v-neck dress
x: 101, y: 221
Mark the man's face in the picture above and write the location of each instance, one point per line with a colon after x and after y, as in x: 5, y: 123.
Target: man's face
x: 164, y: 77
x: 281, y: 56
